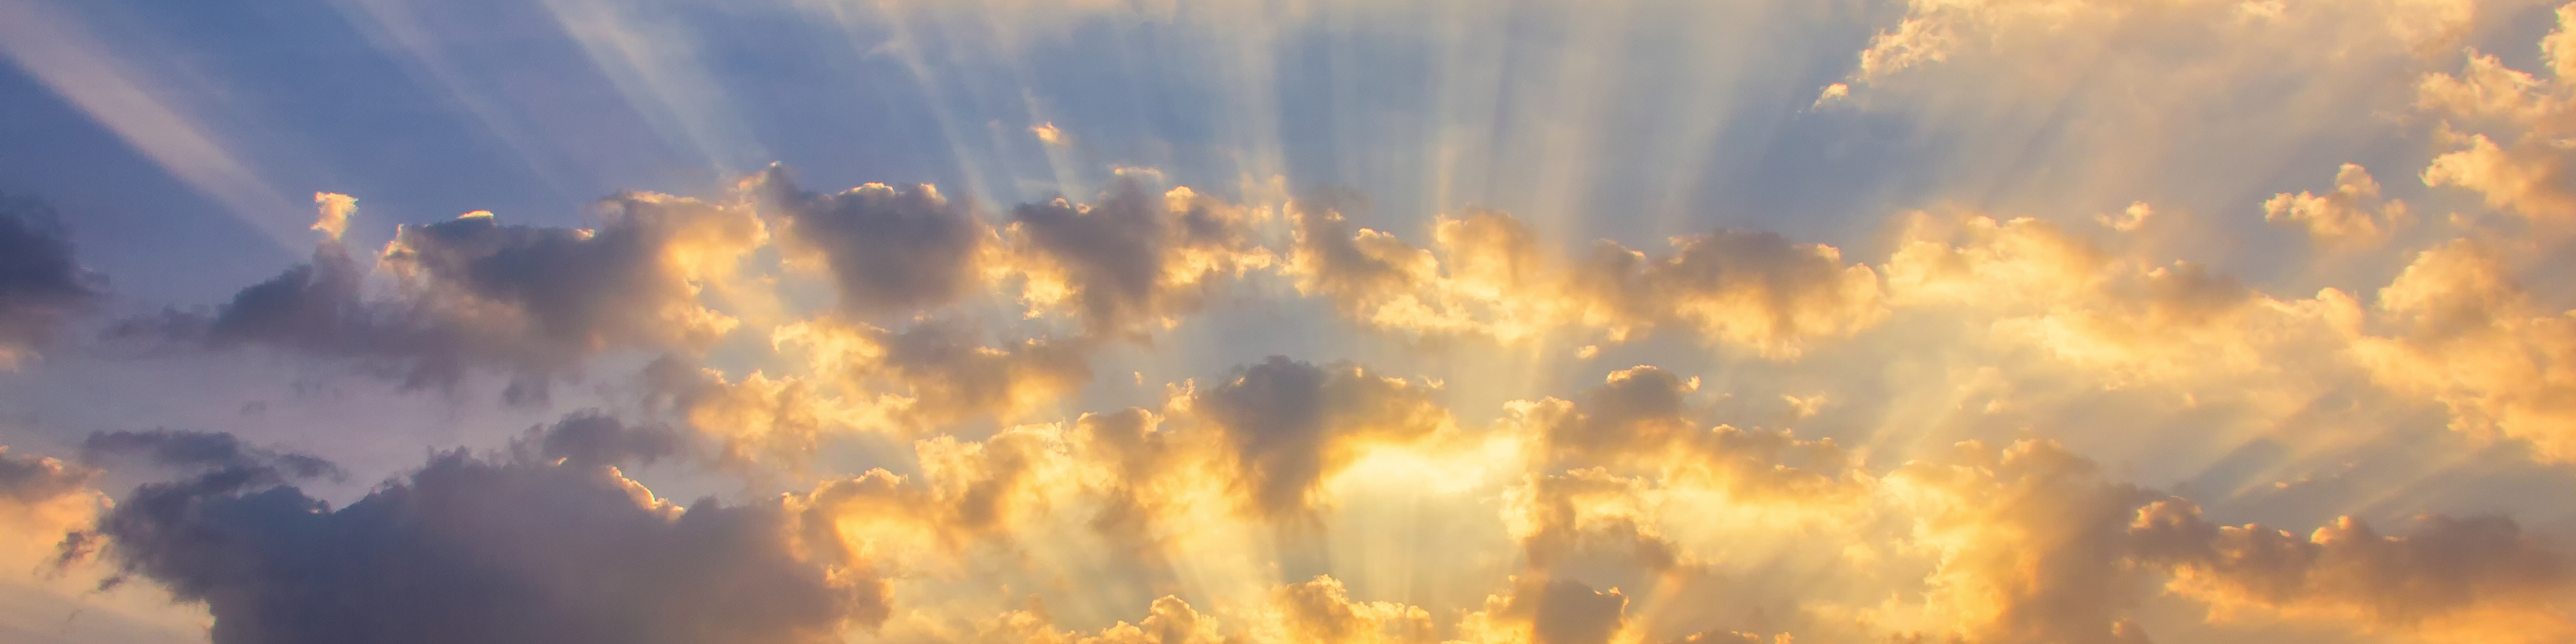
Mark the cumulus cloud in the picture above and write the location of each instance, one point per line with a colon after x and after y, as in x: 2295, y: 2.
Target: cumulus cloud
x: 1588, y: 514
x: 889, y: 251
x: 1254, y: 448
x: 1754, y: 288
x: 41, y: 286
x: 1486, y: 275
x: 2510, y: 129
x: 754, y: 419
x: 1133, y: 262
x: 2527, y: 178
x: 2479, y: 578
x: 466, y: 548
x: 2529, y: 173
x: 2126, y: 319
x: 473, y: 292
x: 1104, y: 474
x: 2031, y: 542
x: 938, y: 371
x: 1365, y: 271
x: 336, y: 209
x: 2025, y: 543
x: 952, y: 337
x: 1320, y: 610
x: 2467, y: 335
x: 2353, y: 214
x: 1169, y: 621
x: 1640, y: 420
x: 1294, y: 423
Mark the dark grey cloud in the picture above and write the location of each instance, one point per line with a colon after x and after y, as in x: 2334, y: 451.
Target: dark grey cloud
x: 313, y: 305
x: 590, y: 438
x: 889, y: 250
x: 467, y: 549
x: 41, y: 285
x: 204, y: 452
x: 1292, y: 423
x: 530, y: 300
x: 1133, y: 259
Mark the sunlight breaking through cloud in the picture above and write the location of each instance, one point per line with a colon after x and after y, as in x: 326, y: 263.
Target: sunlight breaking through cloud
x: 1987, y: 322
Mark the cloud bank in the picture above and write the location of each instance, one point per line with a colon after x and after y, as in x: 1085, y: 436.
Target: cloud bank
x: 2052, y: 399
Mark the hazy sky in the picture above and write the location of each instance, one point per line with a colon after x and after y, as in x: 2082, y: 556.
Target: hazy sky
x: 1255, y: 321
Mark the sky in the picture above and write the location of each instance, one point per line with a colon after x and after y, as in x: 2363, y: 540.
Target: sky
x: 1288, y: 321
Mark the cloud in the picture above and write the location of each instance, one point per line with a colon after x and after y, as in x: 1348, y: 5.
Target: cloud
x: 2354, y: 214
x: 336, y: 208
x: 2030, y: 541
x: 1752, y: 288
x: 1320, y: 610
x: 590, y: 438
x: 28, y: 479
x: 1641, y: 421
x: 1545, y: 611
x: 889, y: 251
x: 465, y: 549
x: 2122, y: 318
x: 474, y: 293
x: 1169, y: 621
x: 755, y: 418
x: 215, y: 453
x: 41, y: 500
x: 2468, y: 336
x: 568, y: 291
x: 2480, y: 579
x: 2529, y: 174
x: 2026, y: 543
x: 1636, y: 410
x: 1585, y: 514
x: 1367, y: 272
x: 984, y: 482
x: 41, y: 286
x: 938, y: 371
x: 2039, y: 40
x: 911, y: 365
x: 1486, y: 275
x: 1131, y: 264
x: 1291, y: 424
x: 2528, y: 178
